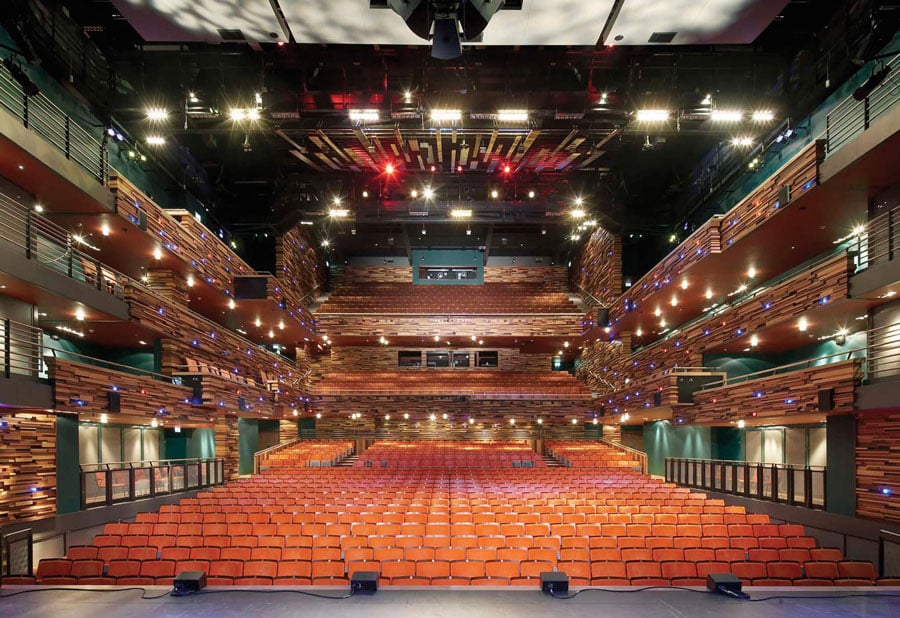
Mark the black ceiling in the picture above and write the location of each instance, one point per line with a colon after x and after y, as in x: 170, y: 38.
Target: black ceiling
x: 579, y: 139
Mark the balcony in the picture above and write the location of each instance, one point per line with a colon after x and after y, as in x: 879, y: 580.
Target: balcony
x: 23, y: 383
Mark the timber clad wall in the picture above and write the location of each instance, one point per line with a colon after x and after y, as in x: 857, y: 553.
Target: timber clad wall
x: 598, y: 269
x: 180, y: 234
x: 878, y: 464
x: 297, y: 265
x: 551, y: 278
x: 724, y: 231
x: 382, y: 358
x: 287, y: 429
x: 353, y: 275
x: 27, y: 467
x: 227, y: 444
x: 796, y: 392
x: 454, y: 326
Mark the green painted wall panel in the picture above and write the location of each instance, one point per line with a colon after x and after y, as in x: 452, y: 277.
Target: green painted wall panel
x: 68, y: 478
x: 728, y: 443
x: 663, y: 439
x: 248, y: 444
x: 840, y: 458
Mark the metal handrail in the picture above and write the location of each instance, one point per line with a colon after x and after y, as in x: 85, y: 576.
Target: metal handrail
x: 805, y: 364
x: 41, y: 115
x: 762, y: 481
x: 879, y: 239
x: 52, y: 246
x: 146, y: 463
x: 640, y: 455
x: 105, y: 364
x: 850, y: 117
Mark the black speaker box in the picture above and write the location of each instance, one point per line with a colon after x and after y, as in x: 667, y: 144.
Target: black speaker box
x: 115, y: 401
x: 554, y: 583
x: 717, y: 582
x: 602, y: 317
x: 189, y: 582
x: 364, y: 582
x: 784, y: 194
x: 826, y: 399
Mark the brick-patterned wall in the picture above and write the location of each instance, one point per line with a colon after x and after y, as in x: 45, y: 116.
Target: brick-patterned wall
x: 297, y: 264
x: 878, y: 464
x: 598, y: 269
x: 27, y: 466
x: 227, y: 444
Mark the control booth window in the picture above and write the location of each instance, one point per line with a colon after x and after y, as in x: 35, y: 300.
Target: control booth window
x: 437, y: 359
x: 487, y: 359
x: 460, y: 359
x: 409, y: 358
x: 451, y: 273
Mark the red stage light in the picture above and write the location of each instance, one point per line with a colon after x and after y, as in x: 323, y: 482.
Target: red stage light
x: 433, y: 169
x: 507, y: 169
x: 389, y: 168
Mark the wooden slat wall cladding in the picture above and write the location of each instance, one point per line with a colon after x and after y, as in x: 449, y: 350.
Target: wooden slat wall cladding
x: 381, y: 358
x: 800, y: 174
x: 550, y: 278
x: 567, y: 326
x: 878, y: 464
x: 598, y: 269
x: 613, y: 433
x: 287, y: 429
x: 721, y: 232
x: 27, y: 466
x: 180, y: 328
x: 602, y: 366
x: 179, y: 233
x: 776, y: 305
x: 297, y: 264
x: 226, y: 430
x: 786, y: 394
x: 704, y: 241
x: 525, y: 411
x: 84, y: 390
x: 354, y: 275
x: 643, y: 396
x: 168, y: 284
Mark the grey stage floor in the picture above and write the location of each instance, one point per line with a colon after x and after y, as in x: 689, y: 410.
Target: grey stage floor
x: 468, y: 603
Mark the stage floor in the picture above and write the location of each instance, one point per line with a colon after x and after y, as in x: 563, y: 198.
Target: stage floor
x: 444, y: 602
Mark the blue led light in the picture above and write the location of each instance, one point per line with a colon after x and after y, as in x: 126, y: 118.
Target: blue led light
x: 886, y: 491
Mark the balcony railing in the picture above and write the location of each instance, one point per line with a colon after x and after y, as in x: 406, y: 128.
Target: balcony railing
x: 851, y: 117
x: 20, y: 349
x: 879, y: 240
x: 39, y: 114
x: 783, y: 483
x: 125, y: 481
x: 48, y: 244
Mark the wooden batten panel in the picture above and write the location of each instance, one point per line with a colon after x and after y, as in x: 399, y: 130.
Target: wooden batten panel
x: 287, y: 429
x: 550, y: 278
x: 27, y: 466
x: 298, y: 266
x: 722, y: 232
x: 878, y: 464
x: 180, y: 234
x: 565, y: 326
x: 84, y: 390
x: 786, y: 394
x: 226, y: 430
x: 779, y: 304
x: 598, y: 268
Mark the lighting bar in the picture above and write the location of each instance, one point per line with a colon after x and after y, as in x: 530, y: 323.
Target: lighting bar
x: 446, y: 115
x: 364, y: 115
x: 726, y: 115
x: 742, y: 141
x: 460, y: 213
x: 653, y: 115
x: 338, y: 212
x: 155, y: 140
x: 157, y: 114
x: 763, y: 115
x: 577, y: 213
x: 512, y: 115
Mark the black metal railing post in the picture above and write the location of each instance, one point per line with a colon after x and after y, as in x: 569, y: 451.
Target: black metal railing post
x: 7, y: 349
x: 760, y: 484
x: 791, y: 485
x: 28, y: 231
x: 25, y: 109
x: 70, y: 251
x: 774, y: 483
x: 109, y: 487
x: 808, y: 487
x: 68, y: 138
x: 890, y: 230
x: 866, y: 118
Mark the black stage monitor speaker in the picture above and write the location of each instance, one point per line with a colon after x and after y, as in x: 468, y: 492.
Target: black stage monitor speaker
x: 602, y: 316
x: 826, y: 399
x: 115, y: 401
x: 554, y: 583
x: 726, y: 583
x: 657, y: 399
x: 189, y: 582
x: 364, y: 582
